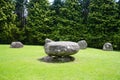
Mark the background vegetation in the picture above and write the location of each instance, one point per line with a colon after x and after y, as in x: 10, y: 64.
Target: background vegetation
x: 96, y: 21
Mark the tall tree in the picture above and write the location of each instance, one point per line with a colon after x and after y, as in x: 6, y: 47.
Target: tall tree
x: 21, y: 11
x: 116, y: 36
x: 102, y: 21
x: 8, y: 29
x: 57, y: 4
x: 56, y: 18
x: 66, y: 17
x: 85, y: 9
x: 119, y: 8
x: 73, y: 15
x: 37, y: 29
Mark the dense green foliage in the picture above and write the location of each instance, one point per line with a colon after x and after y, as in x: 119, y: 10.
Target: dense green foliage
x: 36, y: 29
x: 66, y: 17
x: 96, y: 21
x: 102, y: 24
x: 89, y: 64
x: 20, y: 11
x: 8, y: 29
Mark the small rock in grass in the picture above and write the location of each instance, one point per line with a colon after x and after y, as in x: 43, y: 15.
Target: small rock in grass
x: 16, y: 45
x: 82, y: 44
x: 107, y: 47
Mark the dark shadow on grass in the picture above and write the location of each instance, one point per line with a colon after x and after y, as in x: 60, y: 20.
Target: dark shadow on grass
x: 56, y: 59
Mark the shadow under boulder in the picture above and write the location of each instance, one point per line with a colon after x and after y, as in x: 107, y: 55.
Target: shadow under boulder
x: 56, y: 59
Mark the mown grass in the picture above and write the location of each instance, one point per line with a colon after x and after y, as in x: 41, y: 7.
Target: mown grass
x: 89, y: 64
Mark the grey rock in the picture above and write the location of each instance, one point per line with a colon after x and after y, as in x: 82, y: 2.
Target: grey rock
x: 48, y: 40
x: 82, y: 44
x: 107, y: 47
x: 61, y: 48
x: 16, y: 45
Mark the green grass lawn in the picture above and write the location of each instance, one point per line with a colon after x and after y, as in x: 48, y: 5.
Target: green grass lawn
x: 89, y: 64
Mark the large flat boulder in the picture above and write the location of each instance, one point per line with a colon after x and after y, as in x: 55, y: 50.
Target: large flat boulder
x: 60, y: 48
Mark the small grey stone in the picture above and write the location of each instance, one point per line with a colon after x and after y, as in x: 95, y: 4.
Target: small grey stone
x: 61, y: 48
x: 16, y: 45
x: 82, y: 44
x: 107, y: 47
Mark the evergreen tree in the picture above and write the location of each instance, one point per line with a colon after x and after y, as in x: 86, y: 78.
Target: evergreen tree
x: 56, y: 19
x: 66, y: 19
x: 21, y: 11
x: 73, y: 15
x: 85, y: 9
x: 116, y: 36
x: 119, y: 8
x: 102, y: 21
x: 8, y: 29
x: 119, y: 14
x: 57, y: 4
x: 37, y: 28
